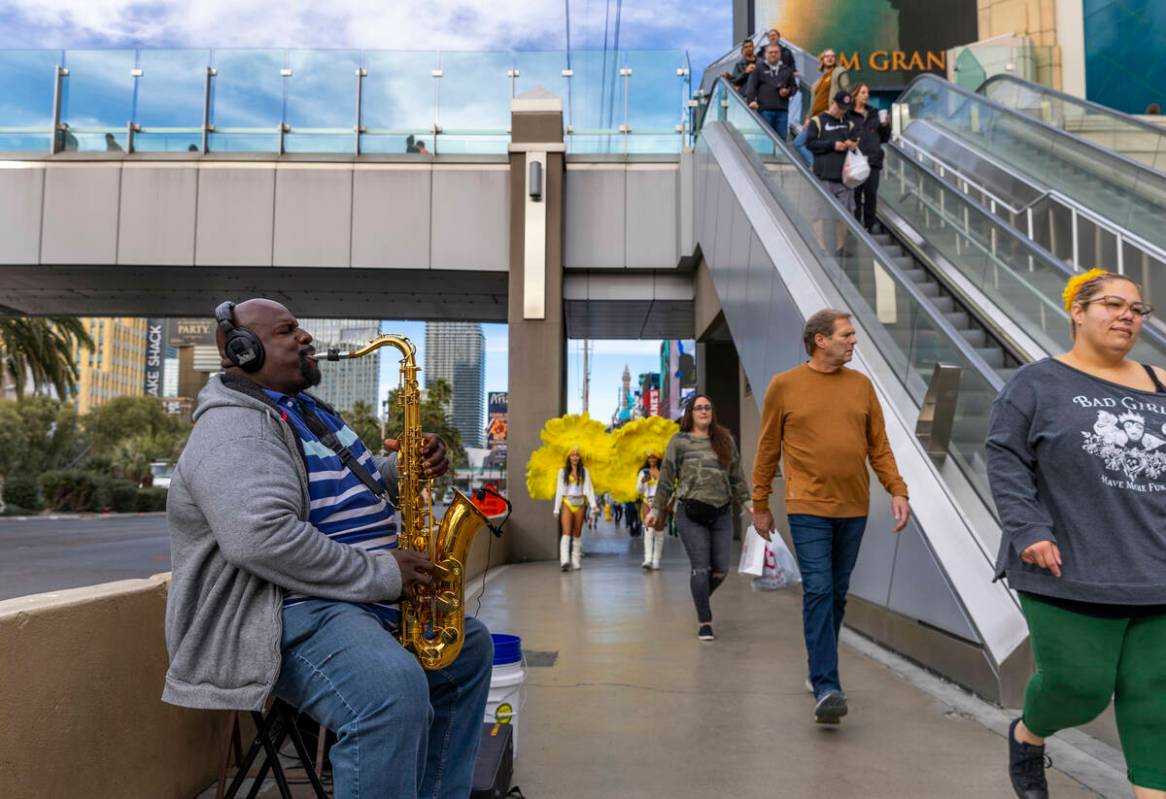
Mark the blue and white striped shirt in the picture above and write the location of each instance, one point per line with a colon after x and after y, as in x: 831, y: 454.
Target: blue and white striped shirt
x: 342, y: 507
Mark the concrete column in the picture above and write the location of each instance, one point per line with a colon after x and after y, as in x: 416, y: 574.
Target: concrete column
x: 537, y: 334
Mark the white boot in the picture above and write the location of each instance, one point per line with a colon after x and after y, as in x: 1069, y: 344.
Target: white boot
x: 565, y: 552
x: 577, y: 554
x: 657, y: 549
x: 648, y: 536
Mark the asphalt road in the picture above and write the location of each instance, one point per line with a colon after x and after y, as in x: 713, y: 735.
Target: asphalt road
x: 38, y: 555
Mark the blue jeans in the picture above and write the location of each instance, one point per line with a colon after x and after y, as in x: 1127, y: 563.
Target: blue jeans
x: 800, y: 144
x: 778, y: 119
x: 401, y: 731
x: 827, y: 550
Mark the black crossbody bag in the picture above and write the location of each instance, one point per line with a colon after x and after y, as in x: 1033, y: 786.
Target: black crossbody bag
x: 701, y: 512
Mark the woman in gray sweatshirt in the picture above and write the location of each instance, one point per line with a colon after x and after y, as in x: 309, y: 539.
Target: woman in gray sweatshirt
x: 1077, y: 463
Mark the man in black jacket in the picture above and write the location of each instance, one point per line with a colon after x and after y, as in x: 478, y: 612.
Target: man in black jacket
x: 830, y: 137
x: 744, y: 66
x: 769, y: 89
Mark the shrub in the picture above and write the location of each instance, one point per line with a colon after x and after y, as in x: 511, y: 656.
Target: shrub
x: 151, y: 500
x: 102, y: 464
x: 123, y: 496
x: 16, y: 510
x: 75, y: 490
x: 22, y: 491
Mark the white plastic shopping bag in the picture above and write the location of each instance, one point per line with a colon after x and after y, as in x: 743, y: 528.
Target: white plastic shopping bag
x: 855, y: 170
x: 752, y: 553
x: 780, y: 569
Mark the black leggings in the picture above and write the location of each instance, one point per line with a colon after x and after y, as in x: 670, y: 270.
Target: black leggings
x: 708, y: 550
x: 866, y: 199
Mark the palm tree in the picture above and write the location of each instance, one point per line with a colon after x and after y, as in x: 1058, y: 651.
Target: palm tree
x: 42, y: 350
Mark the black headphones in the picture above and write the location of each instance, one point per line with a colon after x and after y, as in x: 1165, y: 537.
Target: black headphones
x: 243, y: 348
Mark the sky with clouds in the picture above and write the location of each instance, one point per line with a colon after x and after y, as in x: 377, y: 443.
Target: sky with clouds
x: 702, y: 27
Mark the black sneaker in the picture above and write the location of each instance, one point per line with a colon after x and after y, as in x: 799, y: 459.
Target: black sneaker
x: 830, y: 708
x: 1026, y: 767
x: 565, y: 567
x: 705, y: 633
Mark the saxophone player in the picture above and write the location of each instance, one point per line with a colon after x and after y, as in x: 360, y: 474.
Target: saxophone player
x: 286, y: 573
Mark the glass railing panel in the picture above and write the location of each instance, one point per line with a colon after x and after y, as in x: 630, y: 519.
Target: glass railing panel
x: 26, y: 99
x: 546, y: 70
x: 247, y: 100
x: 655, y: 98
x: 597, y: 142
x: 596, y: 91
x: 1103, y: 126
x: 399, y: 100
x: 321, y: 101
x: 171, y: 92
x: 473, y: 101
x: 97, y: 98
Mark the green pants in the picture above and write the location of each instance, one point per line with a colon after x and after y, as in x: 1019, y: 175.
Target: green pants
x: 1082, y: 661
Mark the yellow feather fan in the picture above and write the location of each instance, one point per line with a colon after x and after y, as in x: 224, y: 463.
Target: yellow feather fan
x: 633, y: 443
x: 560, y: 436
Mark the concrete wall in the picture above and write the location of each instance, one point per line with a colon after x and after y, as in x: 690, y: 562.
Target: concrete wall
x: 1035, y: 19
x: 622, y: 214
x: 135, y: 211
x: 80, y: 713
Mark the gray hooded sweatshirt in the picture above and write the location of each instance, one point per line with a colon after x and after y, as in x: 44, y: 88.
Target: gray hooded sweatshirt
x: 239, y: 535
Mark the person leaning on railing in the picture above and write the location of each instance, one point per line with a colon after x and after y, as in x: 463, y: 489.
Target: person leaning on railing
x: 1077, y: 466
x: 744, y: 66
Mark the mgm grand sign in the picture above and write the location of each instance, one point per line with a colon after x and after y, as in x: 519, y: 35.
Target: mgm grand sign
x: 885, y: 43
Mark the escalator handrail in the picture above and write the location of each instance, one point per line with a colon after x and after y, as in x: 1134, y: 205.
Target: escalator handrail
x: 1080, y: 102
x: 1033, y: 250
x: 1044, y: 193
x: 941, y: 322
x: 1103, y: 153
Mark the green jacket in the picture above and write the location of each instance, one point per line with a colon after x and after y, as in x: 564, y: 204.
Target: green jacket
x: 691, y: 470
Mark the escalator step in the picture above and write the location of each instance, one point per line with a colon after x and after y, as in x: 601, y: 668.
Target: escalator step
x: 945, y: 304
x: 993, y: 356
x: 975, y: 337
x: 958, y: 318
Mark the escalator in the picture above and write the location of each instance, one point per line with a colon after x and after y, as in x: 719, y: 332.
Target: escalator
x: 778, y: 248
x: 1087, y: 204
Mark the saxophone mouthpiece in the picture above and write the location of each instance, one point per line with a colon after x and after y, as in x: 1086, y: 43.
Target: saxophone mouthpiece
x: 336, y: 355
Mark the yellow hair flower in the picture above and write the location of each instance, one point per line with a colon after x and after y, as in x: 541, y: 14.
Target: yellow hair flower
x: 1075, y: 283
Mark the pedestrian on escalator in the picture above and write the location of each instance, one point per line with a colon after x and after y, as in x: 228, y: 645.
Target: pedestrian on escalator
x: 769, y: 89
x: 1077, y: 465
x: 831, y: 137
x: 702, y: 470
x: 773, y: 40
x: 832, y: 79
x: 873, y: 128
x: 744, y: 66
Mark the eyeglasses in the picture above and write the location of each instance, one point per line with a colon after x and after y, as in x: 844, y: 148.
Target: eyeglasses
x: 702, y: 408
x: 1118, y: 306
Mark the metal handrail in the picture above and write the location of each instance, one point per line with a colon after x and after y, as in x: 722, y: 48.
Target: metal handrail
x: 1080, y: 102
x: 940, y: 321
x: 1058, y: 134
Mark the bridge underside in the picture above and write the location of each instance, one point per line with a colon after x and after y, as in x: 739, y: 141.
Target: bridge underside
x: 433, y: 295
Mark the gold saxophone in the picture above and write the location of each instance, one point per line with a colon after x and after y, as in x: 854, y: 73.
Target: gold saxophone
x: 433, y: 617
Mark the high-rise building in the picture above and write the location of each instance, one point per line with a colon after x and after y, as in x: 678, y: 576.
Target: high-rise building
x: 345, y: 383
x: 116, y: 367
x: 456, y: 353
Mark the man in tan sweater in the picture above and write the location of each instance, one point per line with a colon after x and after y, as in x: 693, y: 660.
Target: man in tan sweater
x: 826, y: 420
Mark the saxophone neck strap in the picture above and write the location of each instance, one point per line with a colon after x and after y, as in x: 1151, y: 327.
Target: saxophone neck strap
x: 329, y: 440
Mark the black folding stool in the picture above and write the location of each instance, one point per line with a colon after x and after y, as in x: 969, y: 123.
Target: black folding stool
x: 270, y: 732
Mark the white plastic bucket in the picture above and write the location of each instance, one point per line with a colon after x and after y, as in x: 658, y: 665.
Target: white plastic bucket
x: 506, y: 686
